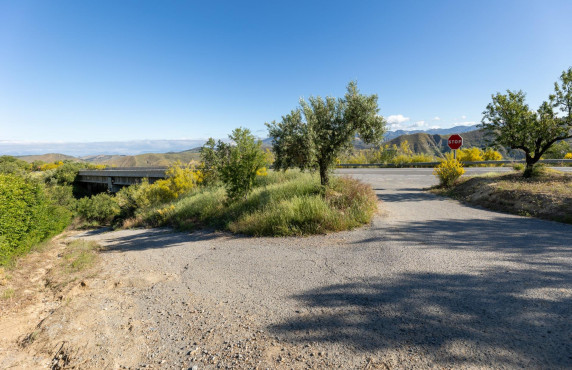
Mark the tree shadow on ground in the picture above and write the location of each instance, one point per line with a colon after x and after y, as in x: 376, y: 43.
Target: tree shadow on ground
x: 501, y: 318
x: 518, y: 236
x: 159, y: 238
x: 93, y: 232
x: 408, y: 195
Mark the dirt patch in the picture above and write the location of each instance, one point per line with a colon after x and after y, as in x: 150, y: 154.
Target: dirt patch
x: 59, y: 317
x: 54, y: 284
x: 547, y: 196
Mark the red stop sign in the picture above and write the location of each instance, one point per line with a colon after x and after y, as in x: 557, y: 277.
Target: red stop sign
x: 455, y: 141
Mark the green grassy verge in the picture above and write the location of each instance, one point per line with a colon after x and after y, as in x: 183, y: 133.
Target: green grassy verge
x: 283, y: 203
x: 548, y: 195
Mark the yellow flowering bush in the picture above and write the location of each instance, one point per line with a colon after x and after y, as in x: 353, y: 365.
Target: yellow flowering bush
x: 492, y: 155
x: 448, y: 171
x: 180, y: 180
x: 164, y: 214
x: 262, y: 172
x: 470, y: 155
x: 51, y: 166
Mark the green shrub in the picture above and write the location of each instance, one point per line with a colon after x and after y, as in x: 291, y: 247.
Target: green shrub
x: 64, y: 174
x: 448, y: 171
x: 133, y: 197
x: 27, y: 216
x: 62, y: 195
x: 237, y: 165
x: 12, y: 165
x: 518, y: 167
x: 385, y: 154
x: 558, y: 150
x: 210, y: 162
x: 100, y: 208
x: 539, y: 170
x: 283, y: 203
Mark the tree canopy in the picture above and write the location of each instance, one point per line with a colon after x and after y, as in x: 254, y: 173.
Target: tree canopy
x: 236, y: 164
x: 316, y: 133
x: 515, y: 125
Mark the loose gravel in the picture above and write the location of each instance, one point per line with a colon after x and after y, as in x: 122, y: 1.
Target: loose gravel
x: 430, y: 283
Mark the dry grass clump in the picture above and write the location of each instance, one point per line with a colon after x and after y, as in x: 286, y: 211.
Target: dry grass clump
x: 547, y: 195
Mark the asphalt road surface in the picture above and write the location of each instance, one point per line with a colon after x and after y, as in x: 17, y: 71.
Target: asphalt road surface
x: 430, y: 282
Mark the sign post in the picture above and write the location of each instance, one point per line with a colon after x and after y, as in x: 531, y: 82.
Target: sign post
x: 455, y: 142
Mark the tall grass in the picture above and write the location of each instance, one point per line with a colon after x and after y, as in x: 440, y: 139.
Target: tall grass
x: 283, y: 203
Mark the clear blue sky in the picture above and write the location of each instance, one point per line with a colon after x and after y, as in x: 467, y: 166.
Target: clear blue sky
x: 131, y: 70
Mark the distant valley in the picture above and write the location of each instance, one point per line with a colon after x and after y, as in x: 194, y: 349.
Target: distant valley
x: 432, y: 142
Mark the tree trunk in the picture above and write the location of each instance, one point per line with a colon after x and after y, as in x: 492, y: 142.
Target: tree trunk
x: 324, y: 176
x: 530, y: 161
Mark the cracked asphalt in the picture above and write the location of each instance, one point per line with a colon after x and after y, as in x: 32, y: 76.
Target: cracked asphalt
x: 430, y: 283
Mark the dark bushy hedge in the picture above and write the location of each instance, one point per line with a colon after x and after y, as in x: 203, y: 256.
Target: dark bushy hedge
x: 27, y: 216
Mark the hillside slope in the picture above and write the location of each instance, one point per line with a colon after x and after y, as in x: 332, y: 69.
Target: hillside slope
x: 49, y: 157
x: 422, y: 143
x: 437, y: 144
x: 436, y: 131
x: 140, y: 160
x: 143, y: 160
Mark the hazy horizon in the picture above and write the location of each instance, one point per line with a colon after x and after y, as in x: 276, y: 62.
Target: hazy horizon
x: 83, y: 149
x: 127, y: 147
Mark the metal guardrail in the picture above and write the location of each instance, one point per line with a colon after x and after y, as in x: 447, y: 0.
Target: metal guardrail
x: 156, y: 170
x: 431, y: 164
x: 164, y: 168
x: 127, y: 171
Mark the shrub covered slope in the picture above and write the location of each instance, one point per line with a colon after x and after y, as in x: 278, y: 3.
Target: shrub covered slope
x: 282, y: 203
x: 27, y: 216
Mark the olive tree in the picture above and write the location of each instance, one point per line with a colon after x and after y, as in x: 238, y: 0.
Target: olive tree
x: 316, y: 133
x: 291, y: 142
x: 513, y: 124
x: 236, y: 163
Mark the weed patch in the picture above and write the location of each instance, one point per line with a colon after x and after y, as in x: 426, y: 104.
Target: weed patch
x: 7, y: 293
x: 80, y: 254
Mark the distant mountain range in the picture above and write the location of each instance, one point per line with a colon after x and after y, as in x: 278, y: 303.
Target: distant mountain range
x: 437, y: 131
x: 432, y: 142
x: 436, y: 144
x: 137, y: 147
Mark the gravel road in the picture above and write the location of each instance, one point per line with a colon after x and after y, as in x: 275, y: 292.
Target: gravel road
x: 429, y: 283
